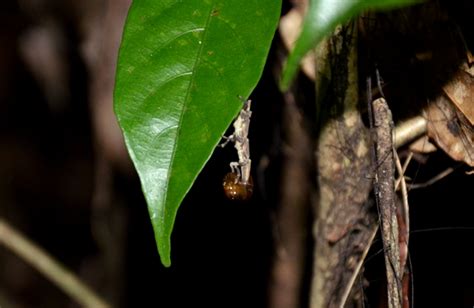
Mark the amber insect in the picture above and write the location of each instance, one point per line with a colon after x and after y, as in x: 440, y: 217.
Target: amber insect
x: 234, y: 189
x: 238, y: 184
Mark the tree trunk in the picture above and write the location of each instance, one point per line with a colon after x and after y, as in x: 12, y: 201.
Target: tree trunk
x: 345, y: 224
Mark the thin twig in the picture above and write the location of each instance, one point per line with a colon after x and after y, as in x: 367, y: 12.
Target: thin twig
x: 404, y: 169
x: 385, y: 197
x: 409, y: 130
x: 52, y: 269
x: 356, y: 272
x: 404, y: 231
x: 406, y: 208
x: 433, y: 180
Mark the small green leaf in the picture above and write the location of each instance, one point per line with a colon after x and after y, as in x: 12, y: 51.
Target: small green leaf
x: 182, y: 67
x: 322, y: 17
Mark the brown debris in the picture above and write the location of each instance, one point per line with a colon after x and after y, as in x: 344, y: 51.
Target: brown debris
x: 451, y: 131
x: 422, y: 145
x: 460, y: 91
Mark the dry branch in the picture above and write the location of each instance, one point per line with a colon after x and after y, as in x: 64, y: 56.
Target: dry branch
x: 385, y: 196
x: 44, y: 263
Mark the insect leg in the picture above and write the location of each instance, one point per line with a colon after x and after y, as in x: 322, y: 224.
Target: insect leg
x: 231, y: 138
x: 235, y: 167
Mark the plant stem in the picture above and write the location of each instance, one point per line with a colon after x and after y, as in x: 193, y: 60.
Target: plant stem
x: 45, y: 264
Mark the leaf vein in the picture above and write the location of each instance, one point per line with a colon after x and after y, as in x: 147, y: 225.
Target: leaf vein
x: 198, y: 57
x: 168, y: 41
x: 163, y: 83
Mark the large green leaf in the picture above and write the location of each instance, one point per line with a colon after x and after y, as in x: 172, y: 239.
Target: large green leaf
x: 182, y: 67
x: 321, y: 19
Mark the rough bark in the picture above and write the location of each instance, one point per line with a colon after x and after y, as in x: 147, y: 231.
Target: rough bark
x: 385, y: 196
x: 345, y: 223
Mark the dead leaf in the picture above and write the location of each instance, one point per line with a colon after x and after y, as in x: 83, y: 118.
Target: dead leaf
x: 460, y: 91
x: 451, y: 130
x: 470, y: 57
x: 422, y: 145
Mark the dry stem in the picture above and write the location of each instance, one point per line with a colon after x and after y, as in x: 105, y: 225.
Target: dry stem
x: 44, y: 263
x: 385, y: 196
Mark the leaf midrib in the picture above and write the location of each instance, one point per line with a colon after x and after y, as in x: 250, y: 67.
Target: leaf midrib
x: 191, y: 82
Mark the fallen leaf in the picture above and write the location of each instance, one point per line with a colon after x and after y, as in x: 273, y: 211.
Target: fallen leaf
x: 460, y: 91
x: 451, y: 130
x: 422, y: 145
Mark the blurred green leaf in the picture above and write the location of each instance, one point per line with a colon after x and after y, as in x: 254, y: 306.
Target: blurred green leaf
x: 322, y: 17
x: 182, y: 67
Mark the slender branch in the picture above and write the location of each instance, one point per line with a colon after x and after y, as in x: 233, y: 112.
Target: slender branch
x: 356, y: 272
x: 403, y: 170
x: 45, y: 264
x: 404, y: 230
x: 409, y: 130
x: 385, y: 197
x: 433, y: 180
x: 404, y: 190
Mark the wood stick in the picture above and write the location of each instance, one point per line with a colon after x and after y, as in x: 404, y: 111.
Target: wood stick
x: 45, y: 264
x: 385, y: 197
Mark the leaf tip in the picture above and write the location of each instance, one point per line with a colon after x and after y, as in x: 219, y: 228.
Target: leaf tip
x: 166, y: 261
x: 164, y: 252
x: 162, y: 240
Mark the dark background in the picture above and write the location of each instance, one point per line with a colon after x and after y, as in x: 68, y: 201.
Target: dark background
x: 53, y: 170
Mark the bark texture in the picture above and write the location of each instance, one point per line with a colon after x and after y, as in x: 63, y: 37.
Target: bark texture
x: 345, y: 223
x: 385, y: 195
